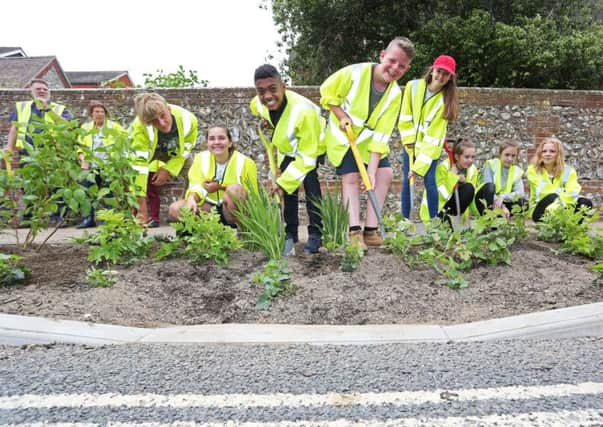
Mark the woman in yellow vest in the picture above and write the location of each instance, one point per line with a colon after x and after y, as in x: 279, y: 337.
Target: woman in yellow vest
x: 367, y: 98
x: 427, y: 107
x: 218, y: 177
x: 101, y: 133
x: 501, y: 183
x: 553, y: 184
x: 461, y: 176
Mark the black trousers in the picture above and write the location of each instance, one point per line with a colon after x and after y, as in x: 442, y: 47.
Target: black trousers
x: 485, y: 199
x: 291, y: 202
x: 540, y: 208
x: 466, y: 192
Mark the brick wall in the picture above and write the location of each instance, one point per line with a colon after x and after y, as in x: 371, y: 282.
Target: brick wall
x: 487, y: 116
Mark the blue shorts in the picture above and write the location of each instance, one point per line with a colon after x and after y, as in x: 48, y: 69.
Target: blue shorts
x: 348, y: 164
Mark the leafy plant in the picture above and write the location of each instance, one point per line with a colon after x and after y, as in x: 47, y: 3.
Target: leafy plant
x: 11, y: 272
x: 352, y: 256
x: 119, y: 240
x: 335, y: 221
x: 201, y: 237
x: 101, y: 278
x: 275, y: 279
x: 49, y: 181
x: 450, y: 252
x: 598, y: 268
x: 179, y: 78
x: 261, y: 225
x: 571, y: 229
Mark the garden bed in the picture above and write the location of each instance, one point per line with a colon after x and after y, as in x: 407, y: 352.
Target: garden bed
x: 383, y: 290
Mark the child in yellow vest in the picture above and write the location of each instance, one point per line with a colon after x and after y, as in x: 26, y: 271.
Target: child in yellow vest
x: 218, y: 178
x: 460, y: 176
x: 366, y: 98
x: 501, y: 183
x: 553, y: 184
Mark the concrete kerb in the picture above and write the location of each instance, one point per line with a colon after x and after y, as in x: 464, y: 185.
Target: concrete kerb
x: 584, y: 320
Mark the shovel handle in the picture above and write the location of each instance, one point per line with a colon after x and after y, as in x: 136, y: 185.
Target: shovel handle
x: 358, y: 158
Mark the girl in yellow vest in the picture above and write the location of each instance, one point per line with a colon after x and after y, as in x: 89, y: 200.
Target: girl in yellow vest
x: 217, y: 178
x: 462, y: 175
x: 367, y: 98
x: 553, y: 184
x: 501, y: 183
x: 427, y: 107
x: 101, y: 134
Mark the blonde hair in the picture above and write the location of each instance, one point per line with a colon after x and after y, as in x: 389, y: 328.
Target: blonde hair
x: 559, y: 163
x: 451, y: 98
x: 509, y: 143
x: 405, y: 45
x: 148, y: 106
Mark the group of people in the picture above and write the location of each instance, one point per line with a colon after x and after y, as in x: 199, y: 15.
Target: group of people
x: 362, y: 97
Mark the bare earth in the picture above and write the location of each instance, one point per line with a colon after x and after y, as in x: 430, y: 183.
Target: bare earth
x: 383, y: 290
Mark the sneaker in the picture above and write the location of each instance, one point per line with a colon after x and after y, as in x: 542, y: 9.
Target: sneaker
x: 153, y: 224
x: 372, y: 238
x: 356, y: 238
x: 289, y: 249
x: 88, y: 222
x: 313, y: 244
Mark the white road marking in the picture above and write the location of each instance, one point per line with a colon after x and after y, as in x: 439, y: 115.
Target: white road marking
x: 589, y: 417
x: 87, y: 400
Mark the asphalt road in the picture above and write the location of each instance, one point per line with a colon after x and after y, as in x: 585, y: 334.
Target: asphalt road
x: 545, y: 382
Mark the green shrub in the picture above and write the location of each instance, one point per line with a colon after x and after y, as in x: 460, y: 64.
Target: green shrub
x: 11, y: 272
x: 335, y: 220
x: 200, y: 238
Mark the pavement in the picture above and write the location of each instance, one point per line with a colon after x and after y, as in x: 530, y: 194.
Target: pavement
x: 571, y: 322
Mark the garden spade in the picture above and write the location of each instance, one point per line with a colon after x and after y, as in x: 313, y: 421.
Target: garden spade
x: 457, y: 222
x: 411, y: 182
x: 7, y: 161
x: 365, y: 178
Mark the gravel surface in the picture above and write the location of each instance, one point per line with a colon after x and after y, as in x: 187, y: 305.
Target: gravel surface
x: 449, y: 369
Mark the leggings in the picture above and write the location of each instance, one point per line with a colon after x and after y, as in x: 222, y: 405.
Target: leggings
x: 540, y: 209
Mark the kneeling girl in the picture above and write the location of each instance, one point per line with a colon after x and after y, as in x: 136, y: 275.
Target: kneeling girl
x: 218, y: 177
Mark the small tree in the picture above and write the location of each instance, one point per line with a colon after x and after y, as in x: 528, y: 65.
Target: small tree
x: 178, y: 78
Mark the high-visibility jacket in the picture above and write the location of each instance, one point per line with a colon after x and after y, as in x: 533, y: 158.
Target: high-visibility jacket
x: 503, y: 189
x: 423, y: 124
x: 240, y: 169
x: 298, y: 134
x: 24, y: 127
x: 350, y: 89
x: 446, y: 180
x: 144, y: 142
x: 109, y: 129
x: 565, y: 186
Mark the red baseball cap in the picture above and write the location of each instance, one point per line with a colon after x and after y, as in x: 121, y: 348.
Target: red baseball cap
x: 445, y: 62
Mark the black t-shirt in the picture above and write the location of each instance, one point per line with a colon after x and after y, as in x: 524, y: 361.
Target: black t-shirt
x: 275, y: 115
x: 167, y: 143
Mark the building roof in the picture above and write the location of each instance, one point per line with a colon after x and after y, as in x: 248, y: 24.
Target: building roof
x: 93, y: 77
x: 18, y: 72
x: 7, y: 52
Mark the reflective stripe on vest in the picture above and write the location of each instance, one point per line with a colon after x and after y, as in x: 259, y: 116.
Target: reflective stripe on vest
x: 206, y: 157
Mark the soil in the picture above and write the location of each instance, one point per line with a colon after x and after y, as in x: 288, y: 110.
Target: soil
x: 383, y: 290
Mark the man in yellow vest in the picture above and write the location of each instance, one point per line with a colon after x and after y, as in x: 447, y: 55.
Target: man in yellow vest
x: 26, y: 113
x: 163, y: 136
x: 297, y: 128
x: 40, y: 109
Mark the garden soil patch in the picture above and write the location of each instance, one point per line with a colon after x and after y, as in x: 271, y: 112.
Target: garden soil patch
x: 383, y: 290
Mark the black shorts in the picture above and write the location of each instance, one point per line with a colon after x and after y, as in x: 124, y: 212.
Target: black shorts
x: 348, y: 164
x: 223, y: 220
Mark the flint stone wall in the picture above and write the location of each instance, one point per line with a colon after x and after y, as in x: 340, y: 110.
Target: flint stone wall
x: 487, y: 116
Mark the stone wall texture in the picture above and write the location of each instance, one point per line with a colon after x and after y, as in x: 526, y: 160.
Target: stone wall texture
x: 487, y: 116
